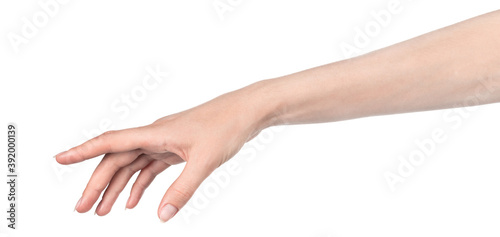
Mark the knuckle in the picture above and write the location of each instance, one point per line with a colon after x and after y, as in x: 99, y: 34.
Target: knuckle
x: 145, y: 178
x: 113, y: 192
x: 109, y: 164
x: 150, y: 173
x: 80, y: 151
x: 132, y: 169
x: 107, y: 133
x: 182, y: 192
x: 88, y: 146
x: 148, y: 137
x: 164, y: 145
x: 96, y: 189
x: 142, y: 184
x: 129, y: 170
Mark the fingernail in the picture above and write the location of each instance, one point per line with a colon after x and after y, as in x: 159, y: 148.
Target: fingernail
x: 128, y: 203
x: 98, y: 208
x: 167, y: 212
x: 78, y: 203
x: 60, y: 154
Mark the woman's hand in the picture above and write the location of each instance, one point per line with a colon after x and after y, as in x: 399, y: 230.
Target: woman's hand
x: 204, y: 137
x: 433, y: 71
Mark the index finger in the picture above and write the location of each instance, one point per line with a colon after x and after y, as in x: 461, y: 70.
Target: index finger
x: 108, y: 142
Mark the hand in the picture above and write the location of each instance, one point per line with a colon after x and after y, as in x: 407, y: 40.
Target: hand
x: 428, y: 72
x: 204, y: 137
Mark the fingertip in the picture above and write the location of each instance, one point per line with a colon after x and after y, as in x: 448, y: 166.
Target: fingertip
x: 98, y: 210
x: 64, y: 157
x: 78, y: 205
x: 58, y: 156
x: 102, y: 209
x: 127, y: 205
x: 84, y: 204
x: 167, y: 212
x: 132, y: 201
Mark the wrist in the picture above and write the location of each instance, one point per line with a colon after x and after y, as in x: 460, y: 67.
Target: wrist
x: 264, y: 103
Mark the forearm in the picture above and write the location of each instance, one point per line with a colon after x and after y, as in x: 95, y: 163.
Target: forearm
x: 456, y: 65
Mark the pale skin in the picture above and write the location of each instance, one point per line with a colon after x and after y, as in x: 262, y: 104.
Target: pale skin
x: 455, y: 66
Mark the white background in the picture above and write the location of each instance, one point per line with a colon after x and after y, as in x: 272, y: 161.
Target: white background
x: 310, y: 180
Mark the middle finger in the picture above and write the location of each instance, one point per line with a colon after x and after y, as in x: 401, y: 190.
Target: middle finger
x: 102, y: 175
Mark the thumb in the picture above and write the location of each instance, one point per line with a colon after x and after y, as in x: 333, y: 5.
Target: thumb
x: 183, y: 188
